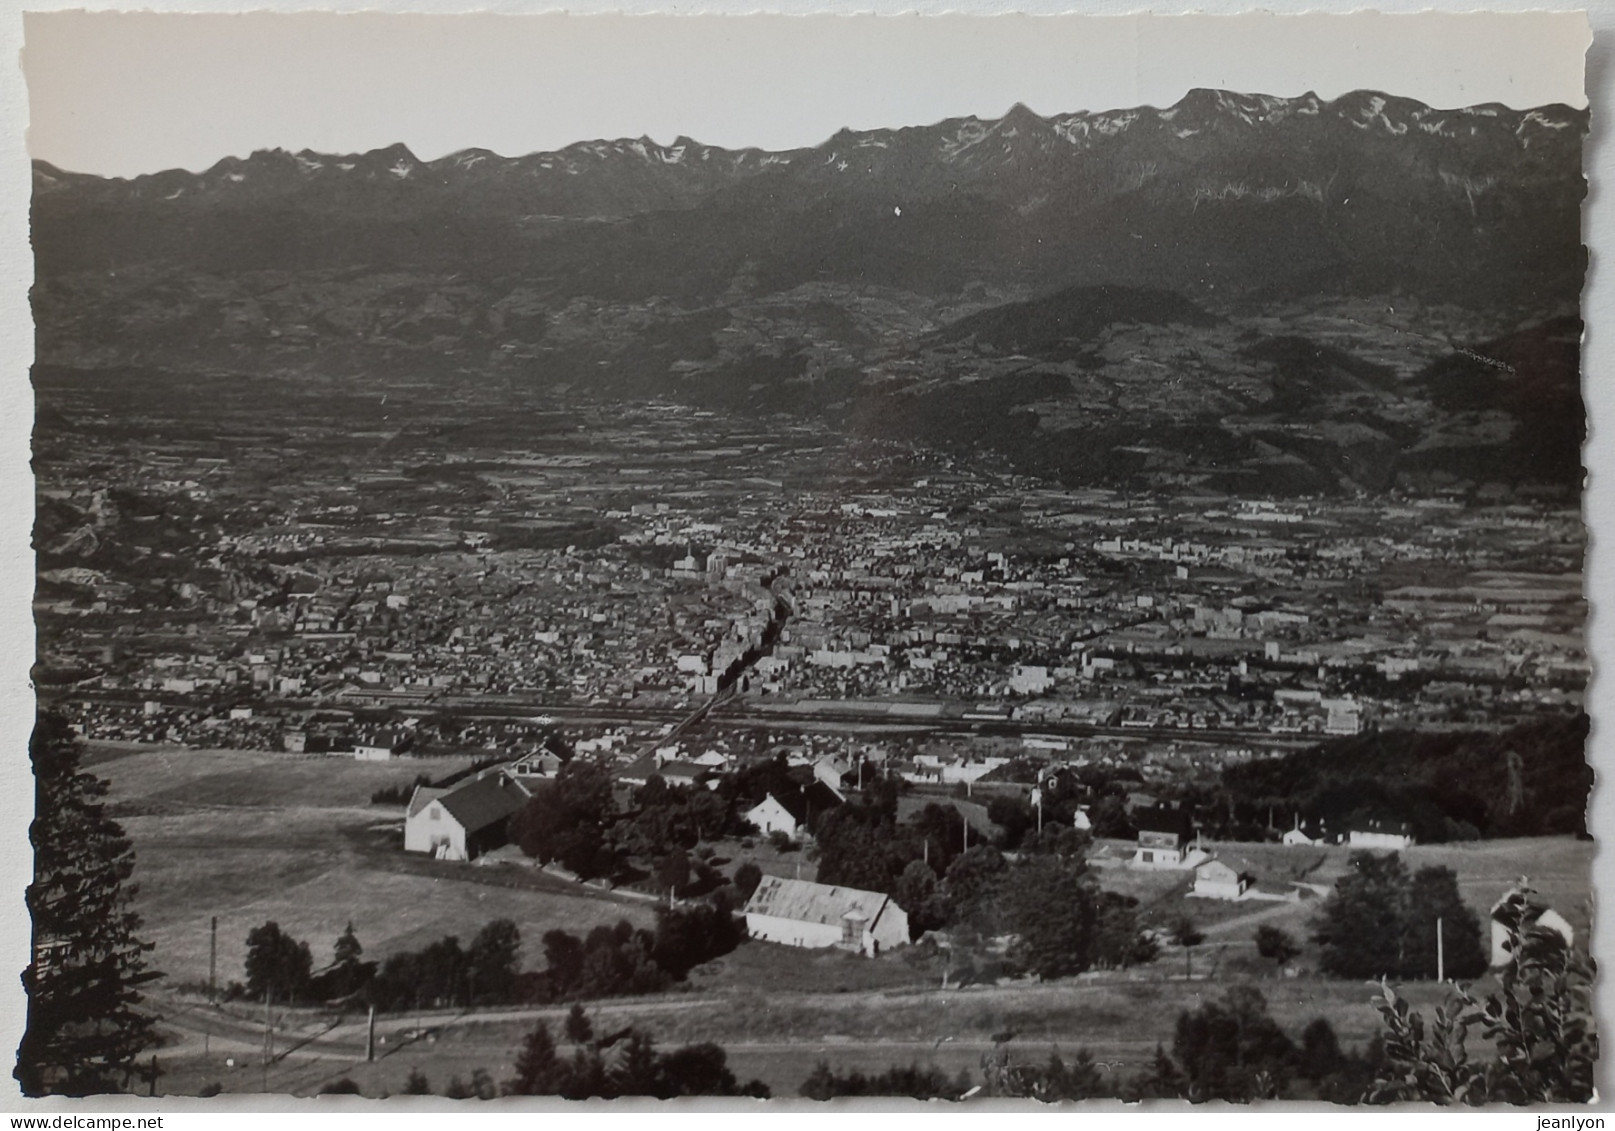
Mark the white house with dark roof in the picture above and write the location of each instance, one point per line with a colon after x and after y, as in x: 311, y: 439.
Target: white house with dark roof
x: 770, y: 816
x: 463, y: 822
x: 792, y: 813
x: 808, y: 914
x: 381, y: 746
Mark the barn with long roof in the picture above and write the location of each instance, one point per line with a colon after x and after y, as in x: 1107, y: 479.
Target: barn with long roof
x: 804, y: 913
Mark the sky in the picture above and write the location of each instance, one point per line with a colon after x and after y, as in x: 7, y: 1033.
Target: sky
x: 119, y: 94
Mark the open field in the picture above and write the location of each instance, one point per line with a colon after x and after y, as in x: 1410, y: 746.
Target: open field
x: 251, y: 837
x: 251, y: 779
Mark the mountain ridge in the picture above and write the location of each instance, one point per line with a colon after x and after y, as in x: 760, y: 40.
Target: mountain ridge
x: 1076, y: 128
x: 1087, y: 292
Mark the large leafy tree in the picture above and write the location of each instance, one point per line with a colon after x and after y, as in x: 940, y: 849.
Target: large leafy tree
x: 1360, y: 926
x: 85, y: 1025
x: 972, y: 888
x: 1381, y: 922
x: 1433, y: 896
x: 1051, y: 904
x: 567, y: 823
x: 859, y: 848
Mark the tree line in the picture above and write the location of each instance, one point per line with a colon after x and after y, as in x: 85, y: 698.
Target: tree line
x: 1531, y: 780
x: 607, y: 962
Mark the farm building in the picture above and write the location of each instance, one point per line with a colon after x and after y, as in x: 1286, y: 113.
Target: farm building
x: 1165, y: 838
x: 465, y: 821
x: 639, y: 771
x: 1309, y: 833
x: 803, y: 913
x: 1379, y: 832
x: 382, y: 746
x: 1216, y: 879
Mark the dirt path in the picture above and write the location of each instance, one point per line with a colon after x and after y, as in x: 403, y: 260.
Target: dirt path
x: 1264, y: 913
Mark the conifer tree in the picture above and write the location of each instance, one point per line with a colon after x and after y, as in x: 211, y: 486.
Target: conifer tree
x: 85, y: 1026
x: 348, y: 950
x: 539, y: 1069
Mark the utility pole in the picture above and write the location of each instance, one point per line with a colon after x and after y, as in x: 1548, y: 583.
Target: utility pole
x: 269, y: 1041
x: 213, y: 963
x: 1441, y: 954
x: 370, y: 1036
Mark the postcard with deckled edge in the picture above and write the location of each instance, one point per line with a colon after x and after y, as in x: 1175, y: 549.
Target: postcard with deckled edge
x: 808, y: 558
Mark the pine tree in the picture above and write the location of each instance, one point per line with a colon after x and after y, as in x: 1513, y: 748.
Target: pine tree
x: 539, y: 1070
x: 493, y: 961
x: 347, y: 951
x: 579, y: 1029
x: 277, y: 964
x: 417, y: 1084
x: 85, y: 1026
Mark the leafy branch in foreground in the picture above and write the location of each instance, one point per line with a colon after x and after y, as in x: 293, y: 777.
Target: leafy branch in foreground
x: 1539, y: 1022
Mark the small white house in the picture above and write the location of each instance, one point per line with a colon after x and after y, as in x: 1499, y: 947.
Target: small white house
x: 1308, y: 833
x: 770, y: 816
x: 830, y: 770
x: 1216, y: 879
x: 381, y: 746
x: 1517, y: 906
x: 1380, y: 832
x: 794, y: 813
x: 538, y: 764
x: 806, y: 914
x: 1165, y: 839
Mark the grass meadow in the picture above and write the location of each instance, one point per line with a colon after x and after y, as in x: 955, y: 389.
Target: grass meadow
x: 251, y: 837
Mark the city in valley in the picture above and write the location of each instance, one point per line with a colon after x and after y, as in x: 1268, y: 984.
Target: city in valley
x: 284, y: 626
x: 647, y: 620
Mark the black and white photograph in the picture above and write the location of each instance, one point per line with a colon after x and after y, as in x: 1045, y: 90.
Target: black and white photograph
x: 807, y: 558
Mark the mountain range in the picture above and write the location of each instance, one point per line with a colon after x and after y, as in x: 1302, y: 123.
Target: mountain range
x: 1004, y: 276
